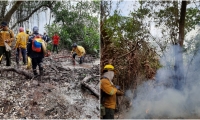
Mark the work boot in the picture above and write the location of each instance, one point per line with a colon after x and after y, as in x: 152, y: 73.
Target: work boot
x: 41, y: 72
x: 41, y: 69
x: 17, y: 64
x: 81, y: 60
x: 35, y: 73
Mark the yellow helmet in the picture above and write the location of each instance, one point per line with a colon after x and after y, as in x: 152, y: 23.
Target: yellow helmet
x: 109, y: 67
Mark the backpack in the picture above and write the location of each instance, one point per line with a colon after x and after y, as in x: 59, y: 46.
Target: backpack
x: 37, y: 43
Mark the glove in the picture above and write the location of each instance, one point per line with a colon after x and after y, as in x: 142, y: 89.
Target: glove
x: 7, y: 41
x: 117, y: 86
x: 120, y: 93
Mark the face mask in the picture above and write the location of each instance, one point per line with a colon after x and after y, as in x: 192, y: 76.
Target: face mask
x: 109, y: 75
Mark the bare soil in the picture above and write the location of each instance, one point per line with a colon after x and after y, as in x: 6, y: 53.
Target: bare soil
x: 58, y: 94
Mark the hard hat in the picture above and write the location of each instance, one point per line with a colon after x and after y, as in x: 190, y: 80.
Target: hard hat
x: 109, y: 67
x: 4, y: 24
x: 35, y: 29
x: 21, y: 29
x: 27, y: 30
x: 74, y: 45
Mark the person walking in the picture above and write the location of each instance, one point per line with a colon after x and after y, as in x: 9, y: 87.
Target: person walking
x: 6, y: 36
x: 78, y: 50
x: 21, y: 45
x: 109, y: 92
x: 45, y: 37
x: 55, y: 41
x: 35, y: 51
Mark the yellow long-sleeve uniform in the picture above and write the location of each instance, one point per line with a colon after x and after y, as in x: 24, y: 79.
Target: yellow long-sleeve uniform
x: 110, y: 92
x: 80, y: 51
x: 22, y: 39
x: 6, y: 35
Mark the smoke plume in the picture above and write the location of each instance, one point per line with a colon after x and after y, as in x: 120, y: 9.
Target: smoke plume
x: 175, y: 92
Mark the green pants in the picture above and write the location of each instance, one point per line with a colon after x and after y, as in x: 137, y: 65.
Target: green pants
x: 109, y: 113
x: 7, y: 54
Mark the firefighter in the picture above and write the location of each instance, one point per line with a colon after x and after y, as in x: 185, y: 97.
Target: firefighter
x: 79, y: 50
x: 36, y: 57
x: 21, y: 45
x: 109, y: 92
x: 7, y: 36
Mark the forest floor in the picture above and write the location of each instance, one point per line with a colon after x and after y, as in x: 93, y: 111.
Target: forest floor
x: 58, y: 94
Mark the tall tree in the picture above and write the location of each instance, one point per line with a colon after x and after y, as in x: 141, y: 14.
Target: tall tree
x: 178, y: 67
x: 22, y: 10
x: 78, y: 22
x: 182, y: 23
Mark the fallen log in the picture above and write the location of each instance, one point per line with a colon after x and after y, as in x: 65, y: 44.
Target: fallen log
x: 90, y: 88
x: 57, y: 57
x: 22, y: 72
x: 86, y: 78
x: 28, y: 75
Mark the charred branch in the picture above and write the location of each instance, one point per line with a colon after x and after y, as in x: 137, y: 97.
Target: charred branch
x: 90, y: 88
x: 22, y: 72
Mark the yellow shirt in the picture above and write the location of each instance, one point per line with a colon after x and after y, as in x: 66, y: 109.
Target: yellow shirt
x: 6, y: 35
x: 80, y: 51
x: 22, y: 39
x: 109, y: 99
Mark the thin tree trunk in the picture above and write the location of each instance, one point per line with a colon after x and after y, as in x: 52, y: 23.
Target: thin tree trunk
x: 178, y: 68
x: 50, y: 17
x: 182, y: 23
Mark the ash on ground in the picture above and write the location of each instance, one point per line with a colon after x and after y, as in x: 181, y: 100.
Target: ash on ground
x: 56, y: 95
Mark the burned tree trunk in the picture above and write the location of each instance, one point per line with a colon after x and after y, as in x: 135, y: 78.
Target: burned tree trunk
x: 178, y: 67
x: 90, y: 88
x: 22, y: 72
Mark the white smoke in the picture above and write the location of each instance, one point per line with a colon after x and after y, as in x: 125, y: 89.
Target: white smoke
x: 161, y: 99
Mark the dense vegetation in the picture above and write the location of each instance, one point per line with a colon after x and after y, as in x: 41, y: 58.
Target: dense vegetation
x: 77, y: 22
x: 74, y: 21
x: 127, y: 42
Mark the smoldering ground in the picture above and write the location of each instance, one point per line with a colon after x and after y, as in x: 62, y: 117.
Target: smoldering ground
x: 161, y: 98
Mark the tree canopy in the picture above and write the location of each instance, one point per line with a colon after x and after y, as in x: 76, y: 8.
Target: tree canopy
x: 128, y: 42
x: 77, y: 22
x: 74, y: 21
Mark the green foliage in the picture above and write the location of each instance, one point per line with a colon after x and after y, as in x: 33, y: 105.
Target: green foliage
x: 166, y: 15
x: 49, y: 47
x: 125, y: 43
x: 51, y: 29
x: 78, y: 23
x: 121, y: 28
x: 91, y: 40
x: 192, y: 18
